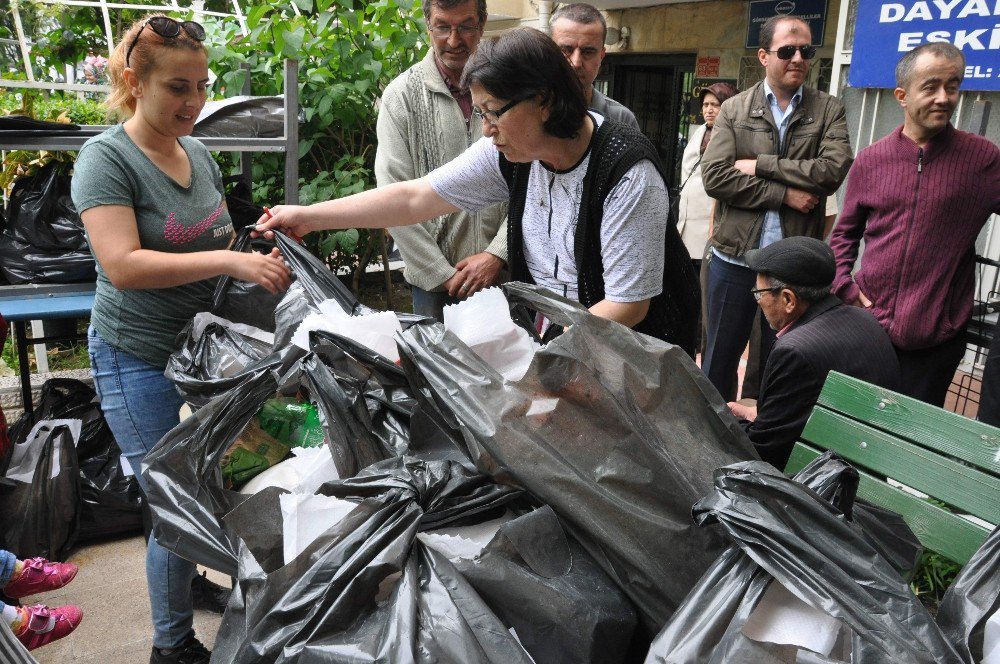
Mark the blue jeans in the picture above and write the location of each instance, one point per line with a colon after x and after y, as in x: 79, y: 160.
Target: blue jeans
x: 141, y: 405
x: 431, y: 303
x: 7, y: 562
x: 730, y: 311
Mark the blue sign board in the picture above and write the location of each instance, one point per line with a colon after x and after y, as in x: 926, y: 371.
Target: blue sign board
x: 812, y: 12
x: 886, y: 30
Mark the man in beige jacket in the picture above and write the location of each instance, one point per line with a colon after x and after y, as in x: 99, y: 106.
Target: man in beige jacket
x: 425, y: 120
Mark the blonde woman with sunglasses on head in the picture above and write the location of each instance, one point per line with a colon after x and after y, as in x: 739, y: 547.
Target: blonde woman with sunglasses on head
x: 152, y: 202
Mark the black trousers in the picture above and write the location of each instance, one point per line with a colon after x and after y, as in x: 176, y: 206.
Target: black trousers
x: 926, y: 373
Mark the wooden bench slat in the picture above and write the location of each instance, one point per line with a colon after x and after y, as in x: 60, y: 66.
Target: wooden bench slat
x: 967, y: 489
x: 937, y: 529
x: 904, y: 417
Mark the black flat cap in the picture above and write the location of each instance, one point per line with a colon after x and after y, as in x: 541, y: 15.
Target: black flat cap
x: 799, y: 261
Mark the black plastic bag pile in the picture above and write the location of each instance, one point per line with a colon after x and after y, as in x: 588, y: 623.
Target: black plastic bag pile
x: 64, y: 479
x: 972, y: 599
x: 619, y: 433
x: 44, y: 240
x: 799, y: 533
x: 370, y: 590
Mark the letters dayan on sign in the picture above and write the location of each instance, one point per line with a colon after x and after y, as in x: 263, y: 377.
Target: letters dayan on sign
x: 888, y: 29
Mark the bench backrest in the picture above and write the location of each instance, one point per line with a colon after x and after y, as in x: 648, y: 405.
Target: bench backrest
x: 952, y: 459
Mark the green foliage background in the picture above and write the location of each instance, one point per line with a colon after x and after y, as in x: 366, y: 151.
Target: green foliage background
x: 348, y: 51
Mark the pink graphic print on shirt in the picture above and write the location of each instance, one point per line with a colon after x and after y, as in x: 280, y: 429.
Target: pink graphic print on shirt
x: 174, y: 233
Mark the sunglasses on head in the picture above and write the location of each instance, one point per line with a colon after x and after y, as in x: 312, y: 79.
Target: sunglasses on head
x: 788, y: 52
x: 167, y: 28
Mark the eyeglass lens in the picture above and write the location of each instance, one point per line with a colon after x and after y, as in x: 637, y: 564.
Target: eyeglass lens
x: 788, y: 52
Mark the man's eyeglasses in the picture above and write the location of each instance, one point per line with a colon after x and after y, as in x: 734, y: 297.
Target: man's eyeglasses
x: 444, y: 31
x: 493, y: 117
x: 167, y: 28
x: 808, y: 52
x: 759, y: 292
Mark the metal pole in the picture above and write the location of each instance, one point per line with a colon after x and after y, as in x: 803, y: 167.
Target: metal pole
x: 291, y: 131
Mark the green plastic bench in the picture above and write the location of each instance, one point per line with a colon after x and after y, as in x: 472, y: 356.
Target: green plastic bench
x: 954, y: 460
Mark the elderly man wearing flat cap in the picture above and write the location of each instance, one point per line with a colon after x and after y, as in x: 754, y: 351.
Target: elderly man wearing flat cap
x: 817, y: 333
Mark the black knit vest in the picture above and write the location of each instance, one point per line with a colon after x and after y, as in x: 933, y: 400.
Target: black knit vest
x: 615, y: 148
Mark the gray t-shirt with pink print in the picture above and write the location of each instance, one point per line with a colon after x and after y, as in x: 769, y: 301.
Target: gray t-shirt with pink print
x: 112, y: 170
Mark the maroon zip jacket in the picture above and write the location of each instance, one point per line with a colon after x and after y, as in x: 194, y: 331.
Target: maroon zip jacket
x: 919, y: 211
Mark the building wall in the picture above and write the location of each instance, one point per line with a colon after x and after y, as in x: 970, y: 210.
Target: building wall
x: 706, y: 28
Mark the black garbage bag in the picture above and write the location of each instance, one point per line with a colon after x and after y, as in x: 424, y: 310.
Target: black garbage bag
x: 324, y: 605
x: 616, y: 431
x: 796, y: 532
x: 364, y: 421
x: 375, y: 407
x: 214, y: 355
x: 561, y: 605
x: 44, y: 239
x: 183, y: 471
x: 248, y: 303
x: 971, y: 599
x: 244, y: 116
x: 111, y: 502
x: 40, y: 502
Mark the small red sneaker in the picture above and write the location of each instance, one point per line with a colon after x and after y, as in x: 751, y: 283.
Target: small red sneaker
x: 39, y: 576
x: 43, y: 625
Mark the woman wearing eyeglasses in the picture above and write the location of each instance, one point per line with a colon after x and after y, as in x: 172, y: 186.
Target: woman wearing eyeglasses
x: 152, y: 202
x: 587, y: 202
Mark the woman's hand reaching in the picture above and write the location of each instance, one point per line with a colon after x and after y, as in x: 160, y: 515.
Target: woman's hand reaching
x: 289, y: 219
x: 268, y: 270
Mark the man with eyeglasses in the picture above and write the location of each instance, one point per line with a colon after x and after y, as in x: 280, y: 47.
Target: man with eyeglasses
x: 816, y: 334
x: 919, y: 198
x: 579, y: 30
x: 424, y: 121
x: 777, y: 151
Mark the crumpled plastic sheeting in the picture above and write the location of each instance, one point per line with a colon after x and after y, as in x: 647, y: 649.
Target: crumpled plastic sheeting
x: 788, y: 530
x: 367, y: 411
x: 972, y: 598
x: 541, y: 582
x: 183, y: 471
x: 617, y: 431
x: 213, y: 357
x: 322, y: 607
x: 242, y: 116
x: 372, y: 406
x: 248, y: 303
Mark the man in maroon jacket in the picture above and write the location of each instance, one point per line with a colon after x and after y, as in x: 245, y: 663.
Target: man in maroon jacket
x: 918, y: 198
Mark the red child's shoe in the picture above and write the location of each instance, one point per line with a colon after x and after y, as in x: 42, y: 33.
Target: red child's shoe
x: 38, y: 576
x: 41, y: 625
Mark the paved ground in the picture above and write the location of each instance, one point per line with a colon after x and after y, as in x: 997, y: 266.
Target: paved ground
x: 111, y: 590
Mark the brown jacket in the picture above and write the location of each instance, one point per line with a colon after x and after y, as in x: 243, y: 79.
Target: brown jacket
x: 816, y: 157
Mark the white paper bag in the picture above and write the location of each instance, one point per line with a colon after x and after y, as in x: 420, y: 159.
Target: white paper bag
x: 781, y: 617
x: 991, y: 640
x: 305, y: 472
x: 307, y: 517
x: 375, y: 331
x: 483, y: 322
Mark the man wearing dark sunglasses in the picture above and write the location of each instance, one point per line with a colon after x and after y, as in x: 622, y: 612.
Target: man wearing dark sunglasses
x: 777, y: 151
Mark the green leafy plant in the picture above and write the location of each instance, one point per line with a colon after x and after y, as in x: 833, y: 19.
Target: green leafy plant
x: 347, y: 53
x: 933, y: 576
x: 58, y: 107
